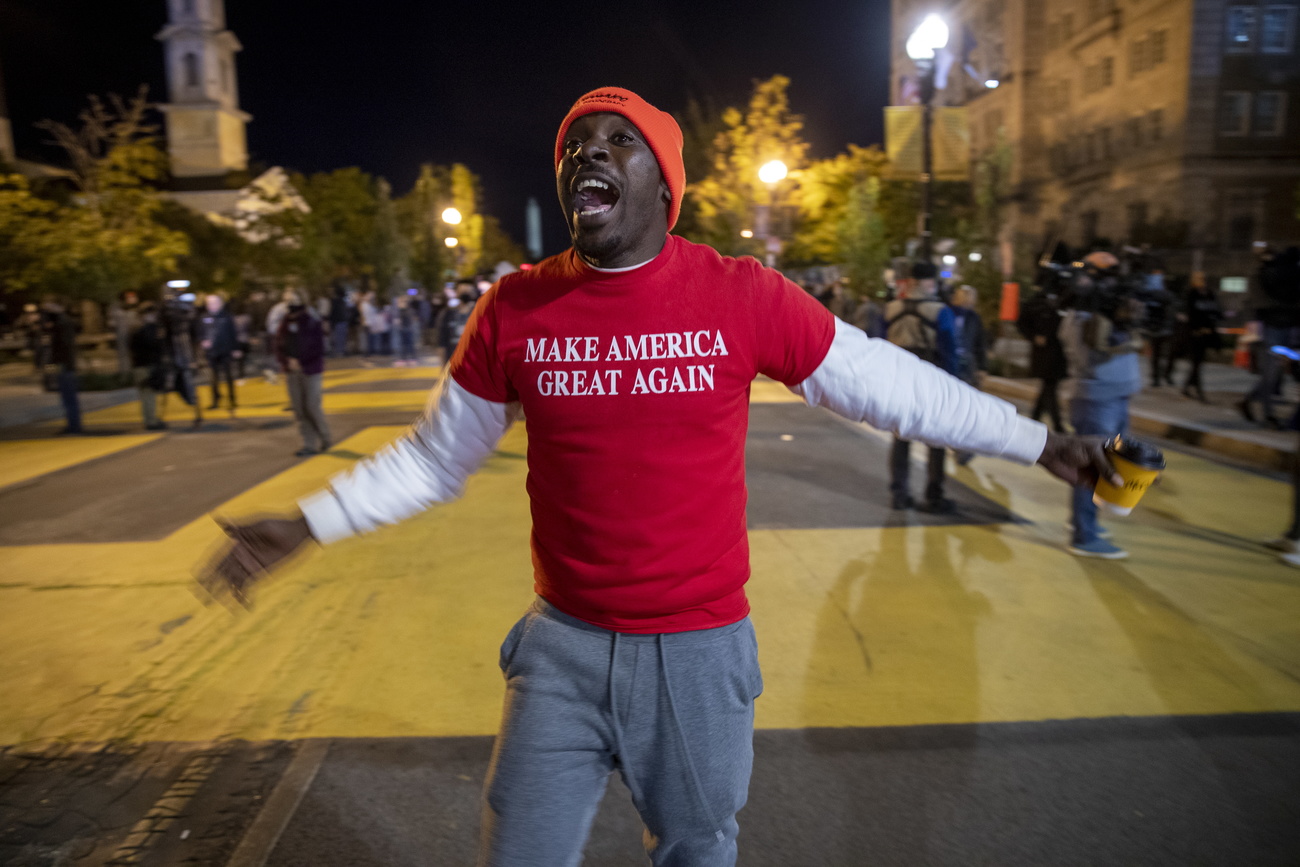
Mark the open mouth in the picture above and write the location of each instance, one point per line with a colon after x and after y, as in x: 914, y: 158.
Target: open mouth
x: 593, y: 196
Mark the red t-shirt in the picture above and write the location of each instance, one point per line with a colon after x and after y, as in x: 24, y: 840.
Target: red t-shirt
x: 635, y: 390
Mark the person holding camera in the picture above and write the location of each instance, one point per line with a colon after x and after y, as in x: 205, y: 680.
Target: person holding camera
x: 1099, y: 333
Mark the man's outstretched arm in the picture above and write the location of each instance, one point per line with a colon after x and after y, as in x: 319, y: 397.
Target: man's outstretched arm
x: 871, y: 380
x: 428, y: 465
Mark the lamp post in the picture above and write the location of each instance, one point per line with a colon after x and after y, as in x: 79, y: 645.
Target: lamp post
x: 928, y: 38
x: 771, y: 173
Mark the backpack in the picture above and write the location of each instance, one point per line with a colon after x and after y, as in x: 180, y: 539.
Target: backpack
x: 929, y: 350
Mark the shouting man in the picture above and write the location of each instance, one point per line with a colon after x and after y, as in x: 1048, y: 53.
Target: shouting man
x: 631, y: 357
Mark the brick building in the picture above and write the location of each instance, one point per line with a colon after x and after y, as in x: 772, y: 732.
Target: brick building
x: 1164, y: 122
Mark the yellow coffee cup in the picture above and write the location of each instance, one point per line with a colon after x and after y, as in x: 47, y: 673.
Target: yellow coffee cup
x: 1138, y: 464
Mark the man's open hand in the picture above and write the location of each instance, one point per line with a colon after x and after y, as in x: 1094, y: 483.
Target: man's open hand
x: 1079, y: 460
x: 254, y: 549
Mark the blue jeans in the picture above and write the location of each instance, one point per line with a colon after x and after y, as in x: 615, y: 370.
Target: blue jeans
x: 68, y: 394
x: 340, y: 339
x: 1093, y: 417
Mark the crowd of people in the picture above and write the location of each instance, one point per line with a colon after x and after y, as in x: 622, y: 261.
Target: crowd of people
x: 1089, y: 319
x: 170, y: 345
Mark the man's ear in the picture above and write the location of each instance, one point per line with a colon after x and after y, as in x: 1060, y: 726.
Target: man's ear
x: 665, y: 194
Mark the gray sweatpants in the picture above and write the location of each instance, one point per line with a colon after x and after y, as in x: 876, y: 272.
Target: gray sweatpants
x: 305, y: 398
x: 673, y: 712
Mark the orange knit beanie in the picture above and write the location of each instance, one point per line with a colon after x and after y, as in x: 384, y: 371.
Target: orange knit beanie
x: 660, y: 130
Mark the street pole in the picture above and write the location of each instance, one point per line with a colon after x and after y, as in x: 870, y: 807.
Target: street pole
x: 927, y: 157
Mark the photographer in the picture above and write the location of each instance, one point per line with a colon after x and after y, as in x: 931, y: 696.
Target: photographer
x: 1101, y: 343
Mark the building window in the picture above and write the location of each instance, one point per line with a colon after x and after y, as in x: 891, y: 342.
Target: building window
x: 1135, y: 132
x: 1270, y: 113
x: 1067, y: 25
x: 190, y: 69
x: 227, y: 84
x: 1104, y: 147
x: 1157, y: 50
x: 1156, y: 124
x: 1107, y: 71
x: 1234, y: 113
x: 1277, y: 36
x: 1242, y: 21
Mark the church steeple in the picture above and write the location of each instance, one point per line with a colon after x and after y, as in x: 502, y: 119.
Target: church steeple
x: 205, y: 127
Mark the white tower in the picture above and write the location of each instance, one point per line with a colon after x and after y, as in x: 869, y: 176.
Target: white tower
x: 205, y: 128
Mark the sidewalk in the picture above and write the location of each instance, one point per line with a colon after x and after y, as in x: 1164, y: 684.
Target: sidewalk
x: 1216, y: 427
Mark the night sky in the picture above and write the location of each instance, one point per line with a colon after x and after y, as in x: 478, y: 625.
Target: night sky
x: 389, y: 85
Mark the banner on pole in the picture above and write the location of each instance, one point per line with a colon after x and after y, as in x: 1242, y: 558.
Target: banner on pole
x: 950, y: 137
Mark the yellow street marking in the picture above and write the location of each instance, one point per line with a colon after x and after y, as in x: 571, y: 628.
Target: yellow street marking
x: 397, y: 634
x: 21, y: 460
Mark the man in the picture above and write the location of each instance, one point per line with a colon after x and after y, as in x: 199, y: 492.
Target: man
x: 1279, y: 323
x: 1040, y: 322
x: 913, y: 323
x: 61, y: 333
x: 148, y: 347
x: 1101, y: 341
x: 219, y: 341
x: 300, y: 347
x: 962, y: 348
x: 631, y: 356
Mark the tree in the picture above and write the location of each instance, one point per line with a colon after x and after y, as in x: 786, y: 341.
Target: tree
x: 726, y: 199
x: 109, y: 238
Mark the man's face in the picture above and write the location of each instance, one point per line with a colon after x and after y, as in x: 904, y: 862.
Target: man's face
x: 213, y: 303
x: 614, y: 196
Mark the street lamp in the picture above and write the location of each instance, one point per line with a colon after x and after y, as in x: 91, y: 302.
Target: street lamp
x: 451, y: 217
x: 451, y: 241
x: 771, y: 173
x: 925, y: 41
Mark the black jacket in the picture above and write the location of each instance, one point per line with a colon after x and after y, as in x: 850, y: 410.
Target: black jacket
x: 219, y: 329
x: 1039, y: 322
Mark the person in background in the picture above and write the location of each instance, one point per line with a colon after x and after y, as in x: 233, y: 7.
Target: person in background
x: 148, y: 347
x: 274, y: 319
x: 340, y: 319
x: 1102, y: 344
x: 220, y: 344
x: 963, y: 351
x: 1158, y: 327
x: 406, y: 327
x: 61, y: 333
x: 243, y: 341
x: 300, y: 348
x: 1279, y: 320
x: 1201, y: 315
x: 1040, y: 322
x: 913, y: 323
x: 124, y: 317
x: 374, y: 319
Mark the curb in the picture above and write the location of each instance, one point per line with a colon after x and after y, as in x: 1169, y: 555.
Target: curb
x: 1177, y: 430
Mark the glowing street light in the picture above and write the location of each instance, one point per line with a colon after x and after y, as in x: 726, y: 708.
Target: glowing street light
x: 452, y: 241
x: 927, y: 38
x: 773, y: 172
x: 746, y: 233
x: 451, y: 217
x: 975, y: 257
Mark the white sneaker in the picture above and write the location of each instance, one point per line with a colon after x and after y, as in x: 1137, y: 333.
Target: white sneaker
x: 1291, y: 559
x: 1283, y: 544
